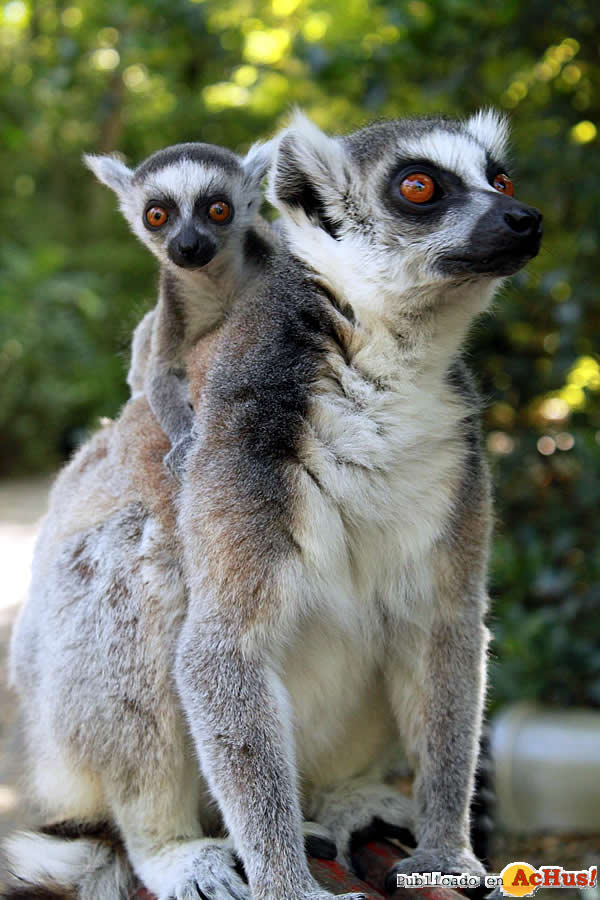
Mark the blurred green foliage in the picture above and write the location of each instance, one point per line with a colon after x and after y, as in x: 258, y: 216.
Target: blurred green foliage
x: 119, y: 74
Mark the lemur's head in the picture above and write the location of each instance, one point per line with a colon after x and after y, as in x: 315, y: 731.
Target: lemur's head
x: 407, y: 203
x: 188, y: 203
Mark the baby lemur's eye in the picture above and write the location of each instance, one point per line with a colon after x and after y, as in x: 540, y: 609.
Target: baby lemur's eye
x: 156, y: 216
x: 504, y: 184
x: 219, y: 211
x: 418, y: 187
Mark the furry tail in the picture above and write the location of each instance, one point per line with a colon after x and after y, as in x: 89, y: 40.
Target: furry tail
x: 67, y: 862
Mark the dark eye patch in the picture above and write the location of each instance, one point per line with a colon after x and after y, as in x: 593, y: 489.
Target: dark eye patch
x: 166, y: 203
x: 450, y: 190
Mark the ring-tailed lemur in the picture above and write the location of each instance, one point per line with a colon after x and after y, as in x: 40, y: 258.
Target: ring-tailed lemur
x: 336, y: 523
x: 197, y: 208
x: 335, y: 520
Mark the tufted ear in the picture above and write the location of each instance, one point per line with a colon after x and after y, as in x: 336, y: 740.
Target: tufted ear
x: 491, y: 128
x: 110, y: 171
x: 308, y: 174
x: 258, y: 159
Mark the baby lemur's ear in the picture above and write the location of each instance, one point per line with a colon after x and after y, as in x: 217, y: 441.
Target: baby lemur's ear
x: 110, y: 171
x: 257, y: 160
x: 309, y: 174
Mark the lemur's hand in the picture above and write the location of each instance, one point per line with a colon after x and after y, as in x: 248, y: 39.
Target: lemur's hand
x: 175, y: 459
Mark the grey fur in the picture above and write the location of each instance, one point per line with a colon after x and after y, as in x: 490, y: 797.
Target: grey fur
x: 192, y: 298
x: 316, y: 592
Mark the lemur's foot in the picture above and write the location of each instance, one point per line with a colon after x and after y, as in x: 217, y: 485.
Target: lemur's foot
x: 198, y: 869
x: 359, y: 807
x: 175, y: 459
x: 448, y: 862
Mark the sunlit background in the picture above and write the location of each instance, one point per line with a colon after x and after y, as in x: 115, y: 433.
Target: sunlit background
x: 104, y: 75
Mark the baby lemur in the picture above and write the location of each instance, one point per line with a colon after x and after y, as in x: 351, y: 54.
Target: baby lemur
x: 196, y: 207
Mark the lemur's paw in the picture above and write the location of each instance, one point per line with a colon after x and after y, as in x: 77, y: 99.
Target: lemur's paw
x: 448, y: 862
x: 318, y: 841
x: 208, y: 872
x: 362, y: 812
x: 175, y: 459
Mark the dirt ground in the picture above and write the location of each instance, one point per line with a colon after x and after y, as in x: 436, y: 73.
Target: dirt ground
x: 22, y: 504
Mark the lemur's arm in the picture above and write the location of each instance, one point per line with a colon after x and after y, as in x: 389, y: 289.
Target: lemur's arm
x: 166, y: 382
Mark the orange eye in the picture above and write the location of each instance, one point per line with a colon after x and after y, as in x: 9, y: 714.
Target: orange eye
x: 156, y: 216
x: 503, y: 184
x: 219, y: 211
x: 418, y: 188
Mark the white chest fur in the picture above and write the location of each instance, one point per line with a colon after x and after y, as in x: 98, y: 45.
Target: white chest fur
x: 383, y: 457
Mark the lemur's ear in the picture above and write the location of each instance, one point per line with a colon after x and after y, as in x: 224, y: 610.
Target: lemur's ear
x: 258, y: 159
x: 491, y: 128
x: 110, y: 171
x: 309, y: 174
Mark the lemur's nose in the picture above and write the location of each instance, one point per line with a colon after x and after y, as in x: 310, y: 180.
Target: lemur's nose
x: 526, y: 221
x: 188, y: 243
x: 192, y: 249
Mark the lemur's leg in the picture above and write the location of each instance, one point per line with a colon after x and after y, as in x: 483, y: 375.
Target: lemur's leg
x: 165, y: 843
x: 166, y: 383
x: 436, y: 680
x: 168, y: 397
x: 238, y: 713
x: 358, y: 804
x: 150, y: 777
x: 115, y: 601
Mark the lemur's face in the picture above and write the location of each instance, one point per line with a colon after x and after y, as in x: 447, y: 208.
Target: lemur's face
x: 449, y: 201
x: 191, y: 204
x: 421, y: 201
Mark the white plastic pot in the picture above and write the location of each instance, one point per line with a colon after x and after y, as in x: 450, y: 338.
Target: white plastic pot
x: 547, y: 769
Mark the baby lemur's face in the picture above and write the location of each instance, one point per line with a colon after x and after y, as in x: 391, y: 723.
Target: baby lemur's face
x: 190, y: 203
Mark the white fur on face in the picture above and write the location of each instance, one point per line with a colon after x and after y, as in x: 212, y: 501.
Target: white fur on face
x: 183, y: 182
x: 459, y: 153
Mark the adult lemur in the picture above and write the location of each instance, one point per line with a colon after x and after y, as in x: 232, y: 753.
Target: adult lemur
x: 334, y: 518
x: 197, y: 208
